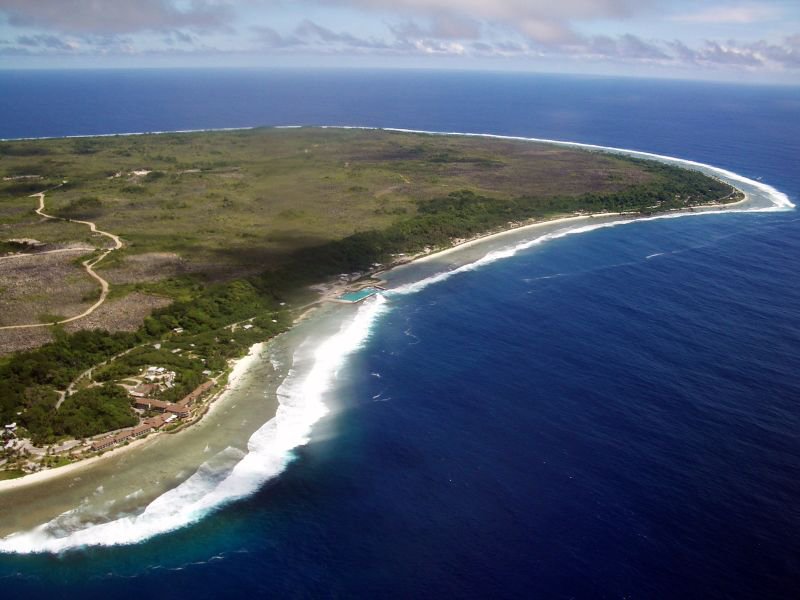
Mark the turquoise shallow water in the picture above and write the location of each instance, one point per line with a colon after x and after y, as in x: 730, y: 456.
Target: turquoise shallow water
x: 608, y: 414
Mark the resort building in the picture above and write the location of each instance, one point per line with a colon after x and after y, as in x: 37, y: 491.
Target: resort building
x: 103, y: 443
x: 141, y: 430
x: 177, y: 409
x: 143, y: 390
x: 160, y: 375
x: 170, y: 411
x: 111, y: 440
x: 198, y: 391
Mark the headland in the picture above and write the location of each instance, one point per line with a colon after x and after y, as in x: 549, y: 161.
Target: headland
x: 470, y: 221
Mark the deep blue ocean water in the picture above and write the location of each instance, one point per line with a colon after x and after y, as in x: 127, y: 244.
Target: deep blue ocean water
x: 608, y: 415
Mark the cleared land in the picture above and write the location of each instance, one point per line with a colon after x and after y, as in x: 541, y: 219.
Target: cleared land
x: 29, y: 293
x: 204, y: 207
x: 210, y: 234
x: 247, y: 199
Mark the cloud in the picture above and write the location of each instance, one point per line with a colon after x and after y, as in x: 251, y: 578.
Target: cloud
x: 116, y: 16
x: 267, y: 37
x: 730, y: 14
x: 45, y: 41
x: 501, y: 49
x: 312, y: 37
x: 543, y: 21
x: 627, y: 47
x: 505, y: 9
x: 785, y: 55
x: 429, y: 47
x: 15, y: 51
x: 179, y: 37
x: 557, y: 30
x: 443, y: 27
x: 729, y: 54
x: 311, y: 32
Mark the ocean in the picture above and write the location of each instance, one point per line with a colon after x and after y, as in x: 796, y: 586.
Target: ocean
x: 608, y: 414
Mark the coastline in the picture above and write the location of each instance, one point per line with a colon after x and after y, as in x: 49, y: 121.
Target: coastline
x: 238, y: 369
x: 573, y: 219
x: 242, y: 366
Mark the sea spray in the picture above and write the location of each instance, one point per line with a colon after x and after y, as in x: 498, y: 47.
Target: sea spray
x: 302, y: 396
x: 235, y: 474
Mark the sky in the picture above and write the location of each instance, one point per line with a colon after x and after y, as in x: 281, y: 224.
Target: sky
x: 725, y: 40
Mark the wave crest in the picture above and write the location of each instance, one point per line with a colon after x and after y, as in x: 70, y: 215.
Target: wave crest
x: 232, y: 474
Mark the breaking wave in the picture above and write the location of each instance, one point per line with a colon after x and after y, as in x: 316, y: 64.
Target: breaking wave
x: 232, y: 474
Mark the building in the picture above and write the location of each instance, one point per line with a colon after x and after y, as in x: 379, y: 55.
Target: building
x: 169, y: 412
x: 113, y: 440
x: 143, y: 390
x: 122, y: 436
x: 104, y: 443
x: 156, y: 422
x: 160, y: 375
x: 141, y: 430
x: 151, y: 404
x: 198, y: 391
x: 178, y: 409
x: 159, y: 421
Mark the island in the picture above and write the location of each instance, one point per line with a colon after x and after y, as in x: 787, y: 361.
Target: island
x: 137, y: 269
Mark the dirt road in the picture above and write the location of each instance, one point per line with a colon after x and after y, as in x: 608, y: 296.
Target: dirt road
x: 88, y: 264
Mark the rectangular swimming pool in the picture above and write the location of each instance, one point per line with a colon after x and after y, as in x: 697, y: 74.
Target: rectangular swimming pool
x: 359, y: 295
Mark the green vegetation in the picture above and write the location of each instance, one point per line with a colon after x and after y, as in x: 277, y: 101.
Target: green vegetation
x: 90, y: 411
x: 11, y: 474
x: 85, y: 207
x: 15, y: 246
x: 260, y: 214
x: 29, y: 380
x: 86, y: 412
x: 465, y: 214
x: 227, y: 202
x: 22, y: 149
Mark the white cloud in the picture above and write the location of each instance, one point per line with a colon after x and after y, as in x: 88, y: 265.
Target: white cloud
x: 116, y: 16
x: 742, y: 15
x: 560, y: 31
x: 544, y: 21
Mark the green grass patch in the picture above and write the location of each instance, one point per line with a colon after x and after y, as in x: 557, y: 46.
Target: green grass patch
x: 11, y: 474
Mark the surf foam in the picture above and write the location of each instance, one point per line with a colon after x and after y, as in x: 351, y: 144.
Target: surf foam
x: 302, y: 397
x: 231, y: 474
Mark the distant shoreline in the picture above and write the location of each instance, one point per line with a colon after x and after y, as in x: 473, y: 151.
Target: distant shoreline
x: 585, y: 145
x: 242, y: 364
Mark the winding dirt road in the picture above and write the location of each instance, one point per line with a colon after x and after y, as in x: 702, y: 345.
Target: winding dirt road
x: 88, y: 264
